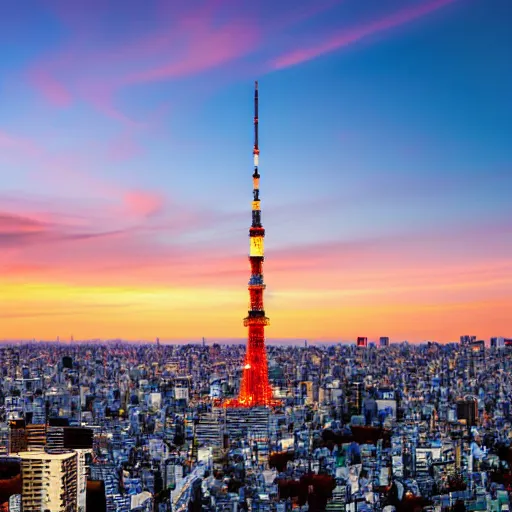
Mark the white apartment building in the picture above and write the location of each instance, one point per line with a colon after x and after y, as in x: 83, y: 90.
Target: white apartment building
x: 50, y: 481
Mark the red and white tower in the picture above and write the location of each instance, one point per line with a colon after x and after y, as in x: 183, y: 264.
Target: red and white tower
x: 255, y: 389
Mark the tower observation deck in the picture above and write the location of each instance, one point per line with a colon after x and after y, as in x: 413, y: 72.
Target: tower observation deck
x: 255, y: 390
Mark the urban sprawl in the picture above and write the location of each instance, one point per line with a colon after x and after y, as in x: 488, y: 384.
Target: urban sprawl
x: 354, y: 427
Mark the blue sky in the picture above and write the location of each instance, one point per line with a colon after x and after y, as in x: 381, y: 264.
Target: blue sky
x: 385, y: 146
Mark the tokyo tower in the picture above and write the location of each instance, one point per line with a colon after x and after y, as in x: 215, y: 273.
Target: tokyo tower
x: 255, y: 389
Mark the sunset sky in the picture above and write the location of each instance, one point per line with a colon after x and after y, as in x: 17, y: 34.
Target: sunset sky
x: 386, y: 164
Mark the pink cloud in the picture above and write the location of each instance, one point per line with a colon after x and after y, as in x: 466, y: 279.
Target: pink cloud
x: 353, y: 35
x: 50, y: 247
x: 120, y: 244
x: 7, y: 141
x: 73, y: 168
x: 100, y: 93
x: 17, y: 224
x: 51, y: 88
x: 144, y: 204
x: 208, y: 49
x: 182, y: 42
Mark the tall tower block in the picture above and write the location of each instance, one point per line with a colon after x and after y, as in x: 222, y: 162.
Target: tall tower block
x: 255, y: 389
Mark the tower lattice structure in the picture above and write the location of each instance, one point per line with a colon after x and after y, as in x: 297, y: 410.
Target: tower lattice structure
x: 255, y: 389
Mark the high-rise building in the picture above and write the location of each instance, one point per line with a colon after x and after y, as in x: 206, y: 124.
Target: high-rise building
x: 305, y: 391
x: 384, y: 341
x: 54, y: 439
x: 255, y: 389
x: 81, y: 474
x: 209, y: 430
x: 36, y: 437
x: 78, y: 438
x: 467, y: 410
x: 362, y: 342
x: 182, y: 389
x: 466, y: 339
x: 497, y: 342
x: 356, y: 399
x: 49, y: 481
x: 476, y: 357
x: 39, y: 411
x: 17, y: 436
x: 4, y: 439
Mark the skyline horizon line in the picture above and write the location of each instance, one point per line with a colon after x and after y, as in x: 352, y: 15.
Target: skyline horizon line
x: 232, y: 341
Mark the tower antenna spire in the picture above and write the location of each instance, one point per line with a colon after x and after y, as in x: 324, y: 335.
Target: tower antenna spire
x: 256, y: 150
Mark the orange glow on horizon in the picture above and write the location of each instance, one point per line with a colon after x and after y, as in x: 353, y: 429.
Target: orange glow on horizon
x: 47, y: 310
x: 109, y: 288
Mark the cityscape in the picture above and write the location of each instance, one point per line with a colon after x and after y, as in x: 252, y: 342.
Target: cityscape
x: 130, y: 377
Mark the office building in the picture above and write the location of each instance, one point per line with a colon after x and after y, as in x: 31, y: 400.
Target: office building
x: 17, y: 436
x: 384, y: 341
x: 36, y: 437
x: 362, y: 342
x: 49, y: 481
x: 466, y: 339
x: 498, y: 342
x: 467, y: 410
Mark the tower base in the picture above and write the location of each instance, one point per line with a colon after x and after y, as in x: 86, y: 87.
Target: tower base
x: 238, y: 403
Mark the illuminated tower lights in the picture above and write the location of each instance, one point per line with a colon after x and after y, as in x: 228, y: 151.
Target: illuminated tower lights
x: 255, y: 389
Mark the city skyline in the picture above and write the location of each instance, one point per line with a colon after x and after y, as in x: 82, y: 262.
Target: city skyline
x: 385, y: 170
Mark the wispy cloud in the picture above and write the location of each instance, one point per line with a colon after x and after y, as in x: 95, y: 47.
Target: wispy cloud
x: 21, y: 231
x: 183, y: 41
x: 147, y: 266
x: 186, y: 40
x: 355, y: 34
x: 154, y: 253
x: 143, y: 204
x: 210, y: 48
x: 54, y: 91
x: 12, y: 223
x: 79, y: 169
